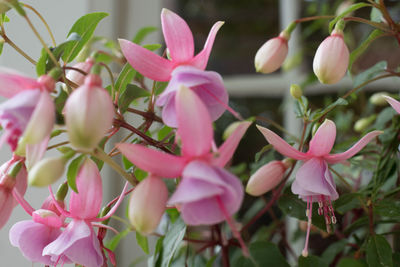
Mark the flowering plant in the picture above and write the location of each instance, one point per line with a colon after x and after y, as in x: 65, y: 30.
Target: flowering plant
x: 182, y: 186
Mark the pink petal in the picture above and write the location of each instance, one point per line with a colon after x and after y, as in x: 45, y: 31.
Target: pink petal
x: 194, y: 123
x: 394, y: 103
x: 42, y: 120
x: 35, y: 152
x: 146, y: 62
x: 12, y: 83
x: 280, y: 145
x: 86, y: 203
x: 79, y: 243
x: 314, y: 179
x: 323, y: 140
x: 201, y: 59
x: 168, y: 166
x: 7, y: 205
x: 178, y: 37
x: 226, y: 150
x: 202, y: 212
x: 335, y: 158
x: 31, y: 237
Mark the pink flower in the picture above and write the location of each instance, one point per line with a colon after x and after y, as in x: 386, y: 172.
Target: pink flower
x: 394, y: 103
x: 29, y: 113
x: 314, y: 181
x: 272, y: 54
x: 196, y: 162
x: 7, y: 185
x: 77, y: 77
x: 89, y: 114
x: 179, y: 40
x: 208, y: 86
x: 331, y: 59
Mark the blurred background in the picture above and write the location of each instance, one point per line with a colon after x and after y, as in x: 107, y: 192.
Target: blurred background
x: 248, y: 24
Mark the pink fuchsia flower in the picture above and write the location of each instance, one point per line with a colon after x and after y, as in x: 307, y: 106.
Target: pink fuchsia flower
x: 78, y: 242
x: 147, y: 204
x: 77, y: 77
x: 196, y: 133
x: 267, y: 177
x: 89, y: 114
x: 29, y: 113
x: 208, y: 86
x: 180, y: 44
x: 394, y: 103
x: 314, y: 181
x: 8, y: 183
x: 272, y: 54
x: 331, y: 59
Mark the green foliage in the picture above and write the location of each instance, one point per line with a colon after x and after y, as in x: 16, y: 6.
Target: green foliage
x: 73, y: 170
x: 142, y: 242
x: 312, y: 261
x: 113, y: 242
x: 378, y: 252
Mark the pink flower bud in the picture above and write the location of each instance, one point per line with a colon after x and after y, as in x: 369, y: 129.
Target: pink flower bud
x: 266, y: 178
x: 47, y: 171
x: 271, y: 55
x: 77, y: 77
x: 89, y: 114
x: 331, y: 59
x: 147, y: 204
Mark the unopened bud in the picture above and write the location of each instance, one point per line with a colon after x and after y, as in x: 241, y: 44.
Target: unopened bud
x: 46, y: 171
x: 78, y: 77
x: 331, y: 59
x: 378, y: 99
x: 230, y: 129
x: 363, y: 123
x: 266, y: 178
x: 147, y: 204
x: 296, y: 92
x: 271, y: 55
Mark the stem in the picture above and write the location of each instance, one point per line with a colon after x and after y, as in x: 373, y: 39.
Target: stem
x: 16, y: 48
x: 42, y: 41
x: 57, y: 145
x: 371, y: 219
x: 111, y: 78
x: 101, y: 155
x: 147, y: 115
x: 342, y: 179
x: 44, y: 22
x: 314, y: 18
x: 365, y: 21
x: 279, y: 127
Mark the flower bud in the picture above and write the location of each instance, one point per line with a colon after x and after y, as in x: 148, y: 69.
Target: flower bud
x: 271, y: 55
x: 331, y: 59
x: 147, y: 204
x: 46, y: 171
x: 89, y: 114
x: 230, y: 129
x: 296, y: 92
x: 363, y: 123
x: 77, y: 77
x: 378, y: 99
x: 266, y: 178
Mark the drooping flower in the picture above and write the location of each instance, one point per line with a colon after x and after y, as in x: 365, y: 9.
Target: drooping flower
x: 208, y: 86
x: 331, y: 59
x: 196, y: 133
x: 28, y: 116
x: 267, y: 177
x: 314, y: 181
x: 76, y: 76
x: 180, y: 44
x: 8, y: 183
x: 147, y: 204
x: 394, y: 103
x: 89, y: 114
x: 272, y: 54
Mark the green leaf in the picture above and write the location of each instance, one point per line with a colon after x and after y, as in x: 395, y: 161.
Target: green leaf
x: 142, y: 33
x: 350, y: 262
x: 73, y: 169
x: 113, y: 242
x: 363, y: 46
x: 4, y: 18
x: 41, y: 63
x: 330, y: 253
x: 142, y: 242
x: 157, y: 257
x: 125, y: 76
x: 267, y: 254
x: 378, y: 252
x: 84, y: 27
x: 347, y: 202
x: 318, y: 114
x: 131, y: 93
x: 152, y: 47
x: 312, y: 261
x: 140, y: 174
x: 344, y: 13
x: 210, y: 262
x: 172, y: 241
x: 388, y: 208
x: 376, y: 15
x: 369, y: 74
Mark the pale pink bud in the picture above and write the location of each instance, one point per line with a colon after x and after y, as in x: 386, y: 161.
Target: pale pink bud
x: 89, y: 114
x: 46, y: 171
x: 76, y: 76
x: 331, y: 59
x: 147, y: 204
x: 271, y: 55
x: 266, y: 178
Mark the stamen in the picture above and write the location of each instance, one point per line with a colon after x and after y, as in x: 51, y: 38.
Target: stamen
x: 334, y: 219
x: 309, y: 209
